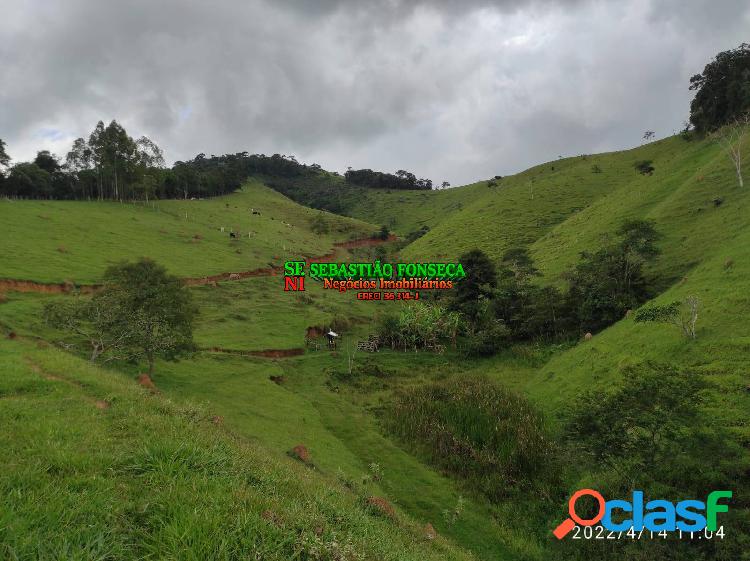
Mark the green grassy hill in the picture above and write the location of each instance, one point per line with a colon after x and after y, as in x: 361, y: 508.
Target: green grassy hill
x: 696, y: 205
x: 562, y: 205
x: 96, y: 467
x: 308, y: 407
x: 562, y: 208
x: 704, y: 217
x: 54, y: 241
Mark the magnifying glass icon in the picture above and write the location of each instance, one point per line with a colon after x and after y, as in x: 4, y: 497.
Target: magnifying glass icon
x: 569, y: 523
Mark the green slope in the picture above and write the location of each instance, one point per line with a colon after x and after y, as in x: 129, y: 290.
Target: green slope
x: 53, y: 241
x: 721, y: 351
x: 704, y: 216
x: 539, y: 202
x: 96, y: 468
x: 679, y: 198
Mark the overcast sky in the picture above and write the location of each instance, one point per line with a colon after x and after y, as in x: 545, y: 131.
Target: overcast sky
x: 454, y: 90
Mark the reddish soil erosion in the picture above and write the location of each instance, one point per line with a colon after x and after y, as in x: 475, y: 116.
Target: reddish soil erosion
x: 382, y: 505
x: 301, y: 453
x: 213, y: 279
x: 273, y: 271
x: 146, y: 381
x: 48, y: 288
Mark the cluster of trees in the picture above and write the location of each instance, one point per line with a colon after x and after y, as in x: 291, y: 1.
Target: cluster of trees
x: 140, y: 313
x: 217, y: 175
x: 111, y: 165
x: 722, y: 90
x: 497, y: 305
x: 721, y: 106
x: 502, y: 304
x: 402, y: 179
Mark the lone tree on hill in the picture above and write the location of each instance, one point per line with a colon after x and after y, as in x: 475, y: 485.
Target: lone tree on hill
x: 141, y: 312
x: 682, y: 314
x: 153, y: 307
x: 730, y: 138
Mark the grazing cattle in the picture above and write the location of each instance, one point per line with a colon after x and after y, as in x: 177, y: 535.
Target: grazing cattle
x: 234, y: 276
x: 232, y: 235
x: 256, y: 212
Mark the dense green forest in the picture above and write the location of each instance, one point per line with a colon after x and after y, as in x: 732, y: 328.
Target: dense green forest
x: 111, y: 165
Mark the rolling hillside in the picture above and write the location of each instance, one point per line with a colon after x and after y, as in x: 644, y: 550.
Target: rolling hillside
x: 96, y: 442
x: 254, y: 314
x: 55, y: 241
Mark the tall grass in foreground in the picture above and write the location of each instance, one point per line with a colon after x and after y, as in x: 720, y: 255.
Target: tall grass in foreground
x: 485, y: 434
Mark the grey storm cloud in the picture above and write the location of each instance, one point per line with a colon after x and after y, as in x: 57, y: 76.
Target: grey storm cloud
x: 451, y: 90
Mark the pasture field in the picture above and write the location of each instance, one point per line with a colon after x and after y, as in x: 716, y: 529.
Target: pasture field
x: 56, y: 241
x: 221, y: 429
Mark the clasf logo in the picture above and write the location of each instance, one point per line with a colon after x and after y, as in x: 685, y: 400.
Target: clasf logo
x: 655, y: 516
